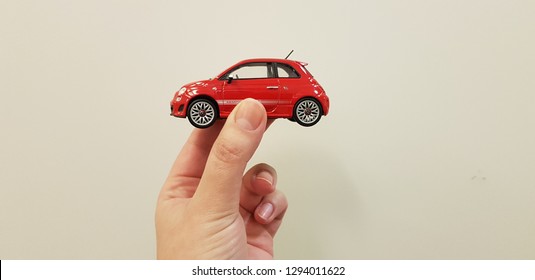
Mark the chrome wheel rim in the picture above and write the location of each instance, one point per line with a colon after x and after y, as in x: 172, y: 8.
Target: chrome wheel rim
x: 202, y: 113
x: 307, y: 111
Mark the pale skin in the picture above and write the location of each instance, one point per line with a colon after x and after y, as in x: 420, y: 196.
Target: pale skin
x: 209, y: 207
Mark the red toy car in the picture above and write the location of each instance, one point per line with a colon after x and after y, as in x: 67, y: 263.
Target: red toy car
x: 284, y: 87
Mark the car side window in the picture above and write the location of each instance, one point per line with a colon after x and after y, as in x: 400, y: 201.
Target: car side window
x: 256, y: 70
x: 286, y: 71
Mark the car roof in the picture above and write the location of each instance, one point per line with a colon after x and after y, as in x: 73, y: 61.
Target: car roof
x: 252, y: 60
x: 279, y: 60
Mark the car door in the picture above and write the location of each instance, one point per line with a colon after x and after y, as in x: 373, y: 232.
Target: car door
x: 251, y: 80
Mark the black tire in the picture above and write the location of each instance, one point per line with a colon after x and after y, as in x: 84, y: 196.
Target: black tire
x: 307, y: 112
x: 202, y: 113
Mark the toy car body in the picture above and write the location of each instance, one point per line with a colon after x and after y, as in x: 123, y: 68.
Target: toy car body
x: 284, y: 87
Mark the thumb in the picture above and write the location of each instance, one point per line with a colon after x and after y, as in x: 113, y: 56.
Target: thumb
x: 219, y: 188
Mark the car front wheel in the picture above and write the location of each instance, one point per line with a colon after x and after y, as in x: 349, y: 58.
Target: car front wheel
x: 307, y: 112
x: 202, y: 113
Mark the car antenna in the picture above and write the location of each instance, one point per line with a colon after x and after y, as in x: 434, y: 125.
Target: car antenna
x: 289, y: 54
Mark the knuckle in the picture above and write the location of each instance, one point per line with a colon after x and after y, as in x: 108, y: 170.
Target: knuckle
x: 227, y: 152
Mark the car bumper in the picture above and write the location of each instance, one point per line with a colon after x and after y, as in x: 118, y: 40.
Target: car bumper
x: 178, y: 109
x: 325, y: 103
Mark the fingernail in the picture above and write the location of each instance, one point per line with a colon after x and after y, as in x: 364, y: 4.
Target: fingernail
x: 249, y: 114
x: 265, y: 176
x: 265, y: 211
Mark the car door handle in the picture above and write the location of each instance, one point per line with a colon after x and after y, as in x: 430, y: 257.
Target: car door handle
x: 272, y: 87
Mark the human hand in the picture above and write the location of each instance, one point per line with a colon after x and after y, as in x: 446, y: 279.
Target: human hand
x: 208, y: 208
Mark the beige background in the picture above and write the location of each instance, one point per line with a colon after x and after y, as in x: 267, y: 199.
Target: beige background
x: 428, y: 151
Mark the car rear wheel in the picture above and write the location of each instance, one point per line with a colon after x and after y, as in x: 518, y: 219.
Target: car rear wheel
x: 202, y: 113
x: 307, y: 112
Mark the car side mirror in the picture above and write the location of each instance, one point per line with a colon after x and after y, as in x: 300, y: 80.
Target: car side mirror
x: 232, y: 77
